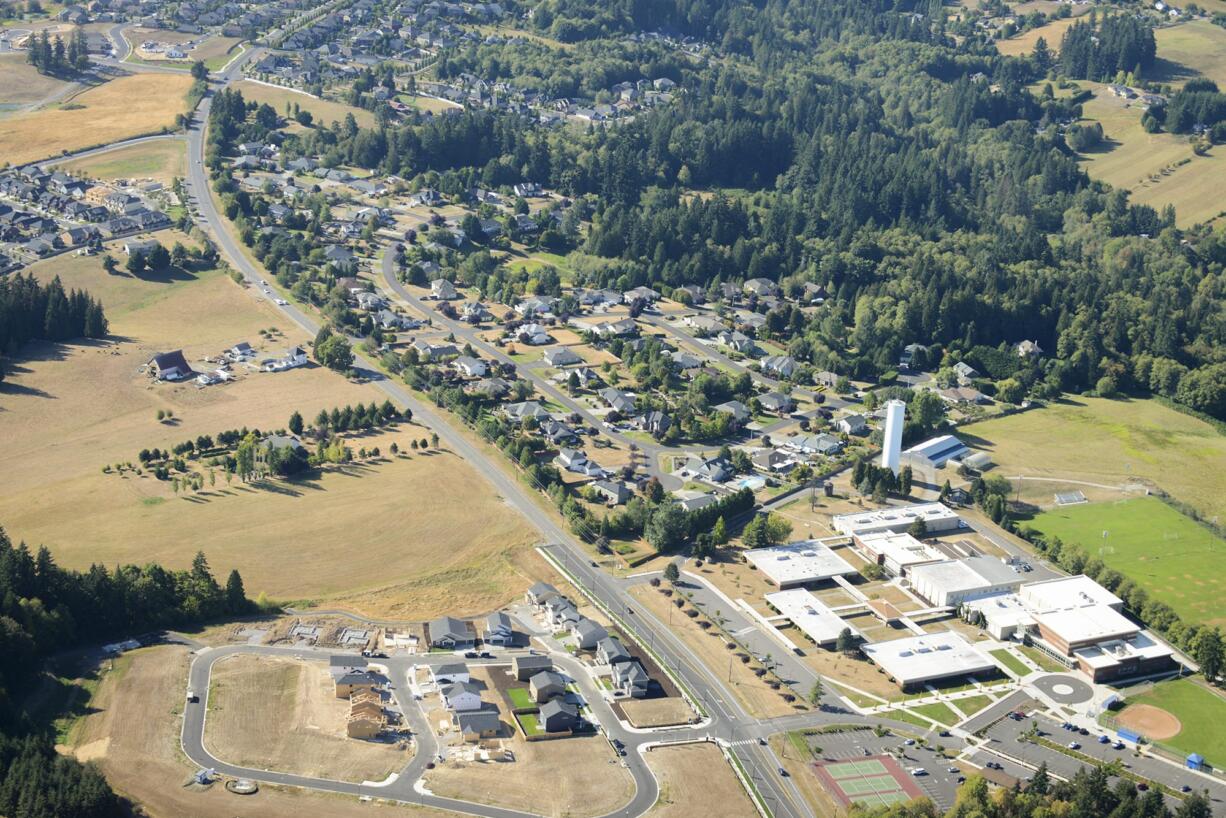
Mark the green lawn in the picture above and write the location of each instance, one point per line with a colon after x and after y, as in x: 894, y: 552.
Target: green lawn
x: 520, y: 698
x: 937, y: 711
x: 530, y: 723
x: 1004, y: 657
x: 1042, y: 659
x: 973, y: 704
x: 1173, y: 558
x: 1201, y: 711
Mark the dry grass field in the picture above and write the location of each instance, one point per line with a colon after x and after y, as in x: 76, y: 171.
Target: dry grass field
x: 574, y: 777
x: 122, y: 108
x: 1159, y: 168
x: 657, y: 712
x: 21, y: 84
x: 370, y: 537
x: 132, y: 732
x: 282, y: 714
x: 1111, y: 442
x: 1023, y: 43
x: 1198, y: 47
x: 324, y: 111
x: 160, y: 160
x: 695, y: 779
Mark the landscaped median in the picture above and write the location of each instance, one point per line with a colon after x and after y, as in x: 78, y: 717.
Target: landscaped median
x: 1010, y: 662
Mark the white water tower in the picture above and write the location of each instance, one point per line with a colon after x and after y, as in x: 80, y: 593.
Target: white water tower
x: 891, y: 442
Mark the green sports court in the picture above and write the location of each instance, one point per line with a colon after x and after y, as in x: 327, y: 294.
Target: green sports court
x: 875, y: 781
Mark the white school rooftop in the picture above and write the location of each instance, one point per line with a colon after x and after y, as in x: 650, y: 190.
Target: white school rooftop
x: 937, y: 518
x: 810, y: 615
x: 927, y: 658
x: 799, y: 563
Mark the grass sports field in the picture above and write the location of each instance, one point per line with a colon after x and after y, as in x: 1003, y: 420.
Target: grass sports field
x: 324, y: 111
x: 161, y: 160
x: 122, y: 108
x: 1158, y: 168
x: 1170, y: 556
x: 370, y: 537
x: 1109, y: 442
x: 1201, y: 712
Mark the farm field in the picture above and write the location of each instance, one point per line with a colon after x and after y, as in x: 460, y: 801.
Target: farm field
x: 21, y: 84
x: 1110, y: 442
x: 418, y: 557
x: 1023, y: 43
x: 161, y: 161
x: 1159, y: 168
x: 324, y: 111
x: 1201, y: 713
x: 282, y: 714
x: 572, y: 777
x: 131, y: 731
x: 1172, y: 557
x: 122, y: 108
x: 696, y: 780
x: 1198, y: 47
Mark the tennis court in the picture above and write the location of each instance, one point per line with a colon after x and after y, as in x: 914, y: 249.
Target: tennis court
x: 876, y: 781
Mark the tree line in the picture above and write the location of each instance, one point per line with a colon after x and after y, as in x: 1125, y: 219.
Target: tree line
x: 51, y: 55
x: 33, y: 311
x: 45, y: 609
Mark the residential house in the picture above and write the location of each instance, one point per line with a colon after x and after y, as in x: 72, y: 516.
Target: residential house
x: 736, y: 341
x: 498, y: 630
x: 461, y: 696
x: 532, y: 335
x: 739, y: 411
x: 772, y: 461
x: 240, y: 352
x: 761, y: 287
x: 449, y: 673
x: 546, y: 685
x: 965, y: 372
x: 824, y: 444
x: 170, y: 366
x: 614, y: 492
x: 576, y: 461
x: 781, y: 366
x: 616, y: 399
x: 448, y: 632
x: 588, y: 633
x: 962, y: 395
x: 557, y: 716
x: 705, y: 324
x: 714, y: 469
x: 470, y: 367
x: 615, y: 329
x: 142, y: 247
x: 557, y: 433
x: 561, y: 356
x: 851, y: 424
x: 475, y: 725
x: 443, y: 290
x: 290, y: 358
x: 1028, y: 349
x: 629, y: 679
x: 610, y: 651
x: 777, y: 403
x: 427, y: 351
x: 540, y: 592
x: 525, y: 667
x: 525, y: 410
x: 644, y: 293
x: 353, y: 681
x: 655, y: 422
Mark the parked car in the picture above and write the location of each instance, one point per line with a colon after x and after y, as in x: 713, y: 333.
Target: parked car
x: 1072, y: 745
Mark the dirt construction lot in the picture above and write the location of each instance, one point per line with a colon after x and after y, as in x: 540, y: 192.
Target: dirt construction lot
x: 122, y: 108
x: 695, y: 779
x: 372, y: 530
x: 132, y: 732
x: 575, y: 776
x: 282, y: 714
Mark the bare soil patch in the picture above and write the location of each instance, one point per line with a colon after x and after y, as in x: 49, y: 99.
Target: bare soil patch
x: 695, y: 779
x: 657, y: 712
x: 1151, y: 722
x: 282, y: 714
